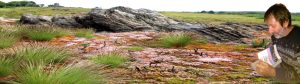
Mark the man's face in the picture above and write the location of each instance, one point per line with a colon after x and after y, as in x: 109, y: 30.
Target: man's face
x: 275, y: 28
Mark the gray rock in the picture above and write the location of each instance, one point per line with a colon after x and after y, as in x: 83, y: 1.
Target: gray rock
x: 223, y: 34
x: 66, y: 21
x: 120, y: 19
x: 33, y: 19
x: 44, y: 18
x: 29, y: 19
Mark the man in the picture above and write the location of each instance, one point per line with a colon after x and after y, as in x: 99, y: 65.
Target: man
x: 287, y: 39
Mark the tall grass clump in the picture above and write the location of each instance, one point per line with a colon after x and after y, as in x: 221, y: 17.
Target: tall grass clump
x: 38, y: 53
x: 112, y: 59
x: 36, y: 74
x: 176, y: 40
x: 7, y: 39
x: 6, y: 66
x: 43, y: 33
x: 86, y: 33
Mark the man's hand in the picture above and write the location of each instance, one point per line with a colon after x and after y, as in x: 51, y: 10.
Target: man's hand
x: 264, y: 69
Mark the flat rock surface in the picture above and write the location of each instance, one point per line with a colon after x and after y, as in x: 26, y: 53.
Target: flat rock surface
x: 159, y: 65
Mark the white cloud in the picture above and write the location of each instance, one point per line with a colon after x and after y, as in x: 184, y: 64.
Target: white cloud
x: 178, y: 5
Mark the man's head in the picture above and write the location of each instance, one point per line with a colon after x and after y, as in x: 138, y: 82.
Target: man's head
x: 278, y: 19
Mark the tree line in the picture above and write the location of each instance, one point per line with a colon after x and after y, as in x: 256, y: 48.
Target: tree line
x: 18, y: 4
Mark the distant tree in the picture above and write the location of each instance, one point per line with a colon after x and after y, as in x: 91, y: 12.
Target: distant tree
x: 12, y: 4
x: 203, y: 11
x: 29, y: 4
x: 2, y: 4
x: 21, y: 4
x: 211, y: 12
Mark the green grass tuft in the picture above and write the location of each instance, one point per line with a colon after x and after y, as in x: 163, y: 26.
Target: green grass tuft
x: 87, y: 33
x: 135, y: 48
x: 35, y: 74
x: 176, y: 40
x: 8, y: 39
x: 112, y: 59
x: 6, y: 66
x: 42, y: 54
x: 43, y: 33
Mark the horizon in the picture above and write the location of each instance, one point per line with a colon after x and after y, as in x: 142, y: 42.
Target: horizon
x: 177, y: 6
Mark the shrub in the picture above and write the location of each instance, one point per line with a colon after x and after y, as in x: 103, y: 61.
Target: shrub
x: 87, y: 33
x: 6, y: 66
x: 260, y: 43
x: 42, y: 54
x: 8, y: 39
x: 35, y: 74
x: 112, y: 59
x: 176, y: 40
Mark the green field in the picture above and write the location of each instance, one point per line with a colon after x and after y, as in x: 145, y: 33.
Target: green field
x: 49, y: 11
x: 256, y: 18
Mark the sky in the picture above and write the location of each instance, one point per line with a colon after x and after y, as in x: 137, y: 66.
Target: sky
x: 177, y: 5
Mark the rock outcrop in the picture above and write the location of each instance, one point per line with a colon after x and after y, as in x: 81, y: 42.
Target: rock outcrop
x: 124, y: 19
x: 230, y: 31
x: 33, y: 19
x: 117, y: 19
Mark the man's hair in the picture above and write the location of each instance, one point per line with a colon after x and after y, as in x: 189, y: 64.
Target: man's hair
x: 280, y: 13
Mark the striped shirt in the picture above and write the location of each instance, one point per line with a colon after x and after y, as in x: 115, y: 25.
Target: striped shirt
x: 289, y: 50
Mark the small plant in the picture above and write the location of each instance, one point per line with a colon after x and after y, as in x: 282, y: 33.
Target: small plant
x: 112, y: 59
x: 35, y: 74
x: 256, y: 43
x: 176, y: 40
x: 43, y: 33
x: 87, y: 33
x: 135, y: 48
x: 6, y: 66
x: 7, y: 39
x: 259, y: 79
x: 85, y: 44
x: 42, y: 53
x: 175, y: 80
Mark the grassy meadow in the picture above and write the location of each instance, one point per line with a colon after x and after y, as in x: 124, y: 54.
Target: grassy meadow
x: 48, y: 11
x: 247, y: 18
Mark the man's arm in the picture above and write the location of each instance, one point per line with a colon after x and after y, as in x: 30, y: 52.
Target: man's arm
x: 265, y: 69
